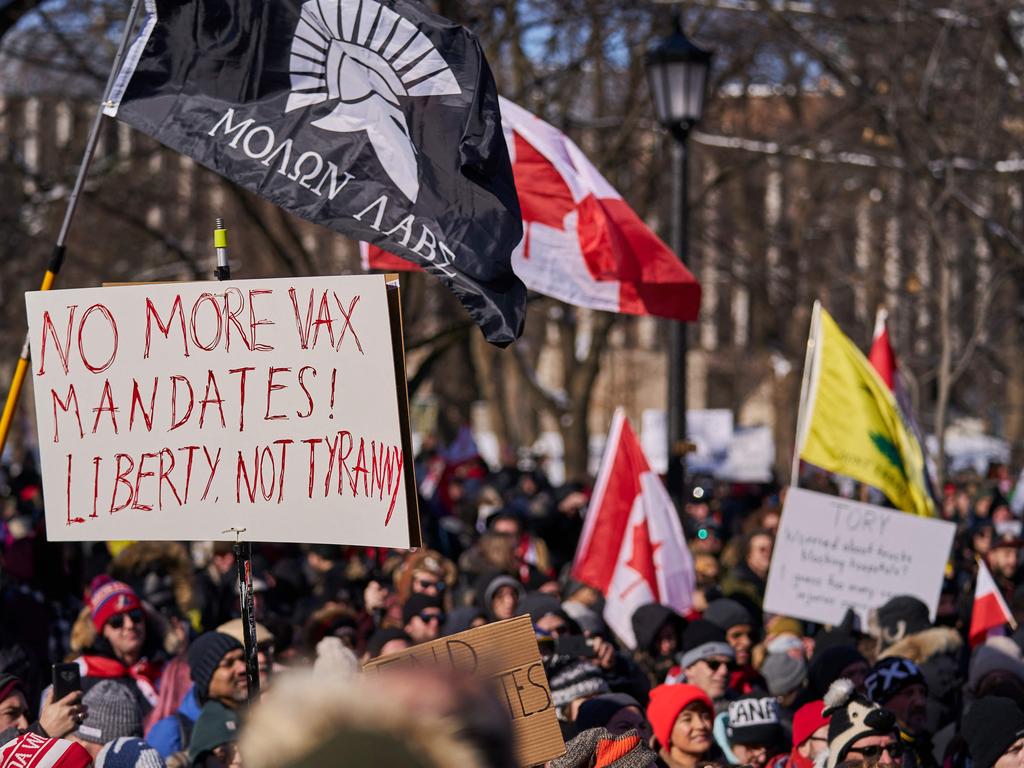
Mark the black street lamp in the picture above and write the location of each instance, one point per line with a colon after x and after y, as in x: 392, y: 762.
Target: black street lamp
x: 677, y: 71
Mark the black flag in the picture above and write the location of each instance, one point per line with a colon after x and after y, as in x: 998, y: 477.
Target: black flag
x: 375, y: 118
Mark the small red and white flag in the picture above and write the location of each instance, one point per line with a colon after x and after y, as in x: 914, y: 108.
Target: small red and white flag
x: 581, y: 242
x: 882, y: 358
x: 632, y: 547
x: 990, y: 610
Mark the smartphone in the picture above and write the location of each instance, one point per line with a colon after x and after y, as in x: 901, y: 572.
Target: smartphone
x: 66, y: 678
x: 574, y: 645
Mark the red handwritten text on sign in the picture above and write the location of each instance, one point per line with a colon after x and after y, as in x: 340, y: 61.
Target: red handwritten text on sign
x: 168, y: 410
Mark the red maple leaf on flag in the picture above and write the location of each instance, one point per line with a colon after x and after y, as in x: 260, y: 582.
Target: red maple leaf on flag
x: 641, y: 560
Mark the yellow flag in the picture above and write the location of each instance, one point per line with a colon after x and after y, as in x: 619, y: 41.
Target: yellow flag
x: 850, y: 423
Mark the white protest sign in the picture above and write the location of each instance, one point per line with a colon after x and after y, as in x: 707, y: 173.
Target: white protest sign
x: 832, y: 554
x: 178, y: 411
x: 750, y: 456
x: 710, y: 430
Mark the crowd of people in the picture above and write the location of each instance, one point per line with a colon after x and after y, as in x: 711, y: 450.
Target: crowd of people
x: 152, y: 630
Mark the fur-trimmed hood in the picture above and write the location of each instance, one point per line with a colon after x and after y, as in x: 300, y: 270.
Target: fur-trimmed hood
x: 160, y: 558
x: 924, y: 645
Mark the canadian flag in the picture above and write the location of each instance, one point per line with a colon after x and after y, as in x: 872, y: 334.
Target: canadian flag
x: 990, y: 610
x: 632, y: 547
x: 582, y: 243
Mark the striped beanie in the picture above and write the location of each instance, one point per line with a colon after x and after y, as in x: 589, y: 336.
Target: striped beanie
x: 110, y: 599
x: 40, y: 752
x: 570, y: 679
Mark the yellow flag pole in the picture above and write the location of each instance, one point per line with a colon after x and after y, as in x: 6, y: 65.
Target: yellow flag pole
x: 805, y: 386
x: 57, y: 259
x: 21, y: 369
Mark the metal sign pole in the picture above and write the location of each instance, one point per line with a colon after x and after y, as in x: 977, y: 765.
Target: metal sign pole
x: 242, y: 549
x: 243, y: 562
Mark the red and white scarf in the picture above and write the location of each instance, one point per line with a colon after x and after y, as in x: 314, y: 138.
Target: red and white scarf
x: 144, y: 673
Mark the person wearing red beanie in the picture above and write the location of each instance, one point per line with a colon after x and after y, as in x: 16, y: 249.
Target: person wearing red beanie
x: 810, y: 737
x: 681, y: 717
x: 125, y: 648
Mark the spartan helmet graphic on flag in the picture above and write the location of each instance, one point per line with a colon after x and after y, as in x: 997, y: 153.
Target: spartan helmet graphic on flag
x: 365, y: 56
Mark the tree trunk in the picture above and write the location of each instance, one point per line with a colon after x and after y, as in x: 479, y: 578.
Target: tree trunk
x: 1014, y: 362
x: 945, y: 360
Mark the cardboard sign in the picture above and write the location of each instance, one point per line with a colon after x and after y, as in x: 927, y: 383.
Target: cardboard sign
x: 832, y: 554
x: 505, y: 652
x: 178, y: 411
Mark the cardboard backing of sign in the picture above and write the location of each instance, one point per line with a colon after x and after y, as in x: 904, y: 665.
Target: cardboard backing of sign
x: 181, y: 410
x: 505, y: 652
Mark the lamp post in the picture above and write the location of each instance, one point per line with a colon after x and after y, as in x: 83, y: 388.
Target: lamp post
x: 677, y: 71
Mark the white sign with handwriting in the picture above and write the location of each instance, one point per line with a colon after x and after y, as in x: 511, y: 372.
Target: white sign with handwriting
x: 832, y: 554
x: 181, y: 410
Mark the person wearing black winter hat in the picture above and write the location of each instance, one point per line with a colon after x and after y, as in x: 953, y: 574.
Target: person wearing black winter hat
x: 994, y: 730
x: 898, y: 685
x: 707, y: 659
x: 899, y: 618
x: 618, y: 712
x: 217, y: 664
x: 217, y: 661
x: 385, y: 641
x: 422, y: 617
x: 833, y: 663
x: 736, y: 620
x: 658, y: 631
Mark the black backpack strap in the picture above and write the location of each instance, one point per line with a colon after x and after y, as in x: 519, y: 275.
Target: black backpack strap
x: 184, y: 730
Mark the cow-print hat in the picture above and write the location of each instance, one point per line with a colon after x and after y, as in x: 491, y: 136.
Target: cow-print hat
x: 852, y: 718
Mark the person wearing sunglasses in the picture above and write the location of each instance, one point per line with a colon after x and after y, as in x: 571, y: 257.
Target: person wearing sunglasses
x: 898, y: 684
x: 425, y: 572
x: 124, y: 648
x: 859, y: 730
x: 735, y: 619
x: 707, y: 659
x: 423, y: 616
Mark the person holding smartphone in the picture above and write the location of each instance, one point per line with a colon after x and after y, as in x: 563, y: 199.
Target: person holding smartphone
x: 56, y: 719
